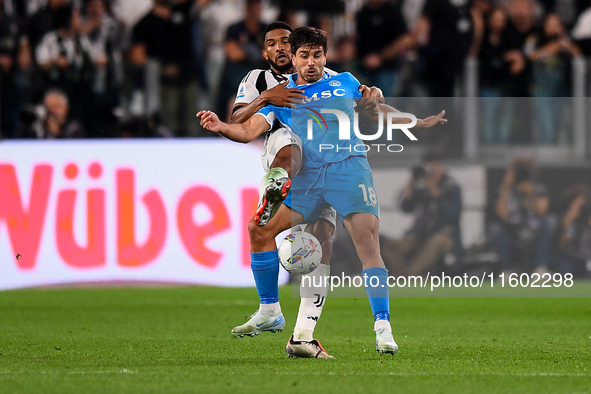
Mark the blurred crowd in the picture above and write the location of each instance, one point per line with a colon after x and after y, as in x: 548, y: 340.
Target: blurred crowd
x: 527, y: 231
x: 141, y: 68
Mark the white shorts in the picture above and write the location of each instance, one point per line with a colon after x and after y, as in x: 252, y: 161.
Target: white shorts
x: 329, y: 214
x: 275, y: 141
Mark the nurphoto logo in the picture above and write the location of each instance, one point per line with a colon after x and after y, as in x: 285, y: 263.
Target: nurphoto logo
x: 393, y: 122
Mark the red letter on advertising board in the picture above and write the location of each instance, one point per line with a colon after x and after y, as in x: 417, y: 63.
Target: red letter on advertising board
x: 93, y: 255
x: 193, y: 235
x: 129, y: 254
x: 250, y: 201
x: 24, y: 228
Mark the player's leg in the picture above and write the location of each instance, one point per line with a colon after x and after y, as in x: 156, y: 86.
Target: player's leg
x: 313, y: 293
x: 313, y: 297
x: 349, y: 188
x: 288, y: 158
x: 364, y: 230
x: 265, y: 269
x: 282, y: 158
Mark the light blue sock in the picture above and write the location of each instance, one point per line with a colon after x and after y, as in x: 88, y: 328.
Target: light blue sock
x: 379, y: 293
x: 265, y: 268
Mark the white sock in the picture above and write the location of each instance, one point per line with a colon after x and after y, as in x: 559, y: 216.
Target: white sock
x: 313, y: 292
x: 273, y: 309
x: 382, y: 324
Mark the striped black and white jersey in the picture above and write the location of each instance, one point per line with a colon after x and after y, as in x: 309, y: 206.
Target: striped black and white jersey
x: 257, y: 81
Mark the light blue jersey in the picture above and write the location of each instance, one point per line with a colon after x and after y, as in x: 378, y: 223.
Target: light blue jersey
x: 315, y: 125
x: 333, y: 171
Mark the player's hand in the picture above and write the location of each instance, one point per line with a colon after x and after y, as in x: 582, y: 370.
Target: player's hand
x: 282, y: 96
x: 431, y: 121
x: 371, y: 97
x: 210, y: 121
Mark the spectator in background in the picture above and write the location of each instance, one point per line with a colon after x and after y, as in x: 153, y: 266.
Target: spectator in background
x: 40, y: 22
x: 105, y: 36
x: 344, y: 58
x: 521, y: 33
x: 14, y: 53
x: 56, y: 123
x: 581, y: 32
x: 567, y: 10
x: 550, y: 58
x: 436, y: 202
x: 381, y: 38
x: 164, y: 34
x: 244, y: 41
x: 574, y: 247
x: 43, y: 21
x: 497, y: 112
x: 524, y: 229
x: 68, y: 61
x: 446, y: 30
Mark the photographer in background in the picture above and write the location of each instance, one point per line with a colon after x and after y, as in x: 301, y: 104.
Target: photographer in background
x: 51, y: 122
x: 435, y: 200
x: 524, y: 229
x: 68, y: 61
x: 574, y: 247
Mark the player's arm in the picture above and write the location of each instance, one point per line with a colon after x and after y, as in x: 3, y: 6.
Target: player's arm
x: 237, y: 132
x: 279, y: 96
x: 370, y: 97
x: 425, y: 123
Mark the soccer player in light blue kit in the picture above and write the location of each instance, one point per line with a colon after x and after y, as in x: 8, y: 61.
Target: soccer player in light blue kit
x: 339, y: 176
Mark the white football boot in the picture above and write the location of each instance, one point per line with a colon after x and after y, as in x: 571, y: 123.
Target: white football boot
x: 305, y: 349
x: 259, y: 322
x: 385, y: 341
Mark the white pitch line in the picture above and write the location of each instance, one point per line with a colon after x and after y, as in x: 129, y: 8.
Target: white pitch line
x: 34, y: 372
x: 319, y: 373
x: 332, y: 373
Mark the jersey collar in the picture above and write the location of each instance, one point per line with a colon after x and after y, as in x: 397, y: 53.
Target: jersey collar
x: 279, y: 77
x: 293, y: 78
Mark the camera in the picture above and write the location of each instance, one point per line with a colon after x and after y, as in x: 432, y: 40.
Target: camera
x: 32, y: 118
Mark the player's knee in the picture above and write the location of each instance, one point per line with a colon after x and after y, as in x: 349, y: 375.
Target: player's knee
x: 323, y: 231
x: 258, y: 234
x: 326, y: 242
x: 283, y: 159
x: 326, y: 250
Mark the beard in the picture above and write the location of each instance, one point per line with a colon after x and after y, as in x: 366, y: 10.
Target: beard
x: 311, y: 78
x: 282, y: 69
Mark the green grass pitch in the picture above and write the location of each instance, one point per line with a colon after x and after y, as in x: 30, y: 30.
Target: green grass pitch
x: 128, y: 340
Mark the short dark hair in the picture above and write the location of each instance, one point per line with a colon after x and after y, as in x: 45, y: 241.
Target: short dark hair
x: 307, y: 36
x: 276, y: 26
x: 63, y: 17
